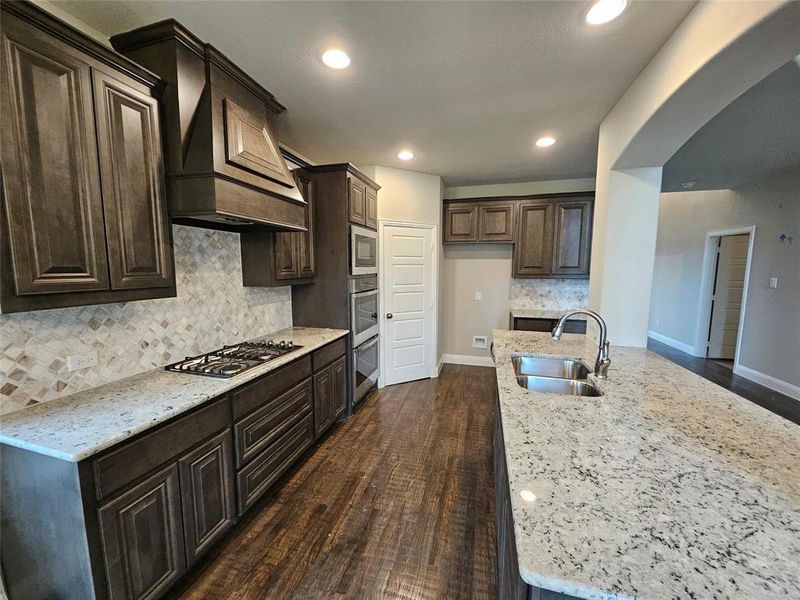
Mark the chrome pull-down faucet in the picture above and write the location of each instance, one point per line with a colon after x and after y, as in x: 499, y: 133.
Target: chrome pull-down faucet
x: 603, y: 361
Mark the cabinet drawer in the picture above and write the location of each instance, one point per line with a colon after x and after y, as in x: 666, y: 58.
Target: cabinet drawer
x: 262, y: 427
x: 255, y: 478
x: 250, y: 397
x: 127, y: 463
x: 327, y: 354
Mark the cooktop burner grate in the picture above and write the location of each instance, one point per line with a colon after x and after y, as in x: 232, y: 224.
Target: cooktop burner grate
x: 233, y: 360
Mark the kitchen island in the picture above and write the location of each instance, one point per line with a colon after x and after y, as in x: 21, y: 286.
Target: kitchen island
x: 666, y: 486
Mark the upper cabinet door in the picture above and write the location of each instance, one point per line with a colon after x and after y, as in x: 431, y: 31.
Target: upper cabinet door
x: 460, y: 223
x: 496, y: 222
x: 250, y: 145
x: 534, y: 247
x: 305, y: 240
x: 371, y: 211
x: 572, y: 241
x: 357, y: 201
x: 52, y: 186
x: 134, y: 199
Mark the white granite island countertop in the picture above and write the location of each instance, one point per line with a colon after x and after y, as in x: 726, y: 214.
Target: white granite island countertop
x: 667, y: 486
x: 77, y: 426
x: 542, y: 313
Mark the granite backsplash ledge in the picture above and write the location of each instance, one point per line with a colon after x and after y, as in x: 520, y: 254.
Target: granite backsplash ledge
x: 212, y: 308
x: 558, y: 294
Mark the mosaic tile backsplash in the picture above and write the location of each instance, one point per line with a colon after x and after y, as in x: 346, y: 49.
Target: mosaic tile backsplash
x: 212, y: 308
x: 560, y: 294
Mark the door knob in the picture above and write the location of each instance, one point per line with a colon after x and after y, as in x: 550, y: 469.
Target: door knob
x: 389, y: 315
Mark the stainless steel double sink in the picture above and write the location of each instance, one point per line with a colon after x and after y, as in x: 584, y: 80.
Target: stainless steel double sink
x: 554, y: 375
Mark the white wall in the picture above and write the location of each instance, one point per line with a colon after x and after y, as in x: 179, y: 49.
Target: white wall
x: 771, y: 334
x: 407, y: 195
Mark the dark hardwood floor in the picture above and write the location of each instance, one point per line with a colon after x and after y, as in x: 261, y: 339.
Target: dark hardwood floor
x: 397, y: 502
x: 780, y: 404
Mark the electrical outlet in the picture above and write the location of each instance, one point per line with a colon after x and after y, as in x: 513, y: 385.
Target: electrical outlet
x: 479, y: 341
x: 478, y: 295
x: 773, y: 283
x: 76, y: 362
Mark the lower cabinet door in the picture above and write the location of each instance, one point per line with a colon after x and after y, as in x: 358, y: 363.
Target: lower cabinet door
x: 142, y: 535
x: 207, y: 494
x: 339, y: 387
x: 323, y: 400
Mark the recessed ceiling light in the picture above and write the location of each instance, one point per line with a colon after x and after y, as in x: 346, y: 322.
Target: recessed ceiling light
x: 405, y: 155
x: 336, y: 59
x: 604, y: 11
x: 544, y: 142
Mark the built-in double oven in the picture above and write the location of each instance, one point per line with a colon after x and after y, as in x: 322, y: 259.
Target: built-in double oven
x: 364, y: 329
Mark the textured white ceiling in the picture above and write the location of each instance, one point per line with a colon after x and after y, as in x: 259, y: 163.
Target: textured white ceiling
x: 469, y: 86
x: 757, y: 134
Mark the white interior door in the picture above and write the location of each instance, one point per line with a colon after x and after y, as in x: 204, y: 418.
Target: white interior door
x: 408, y: 303
x: 726, y: 308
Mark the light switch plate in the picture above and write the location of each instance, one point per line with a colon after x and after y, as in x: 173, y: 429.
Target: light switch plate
x: 478, y: 295
x: 773, y: 283
x: 76, y: 362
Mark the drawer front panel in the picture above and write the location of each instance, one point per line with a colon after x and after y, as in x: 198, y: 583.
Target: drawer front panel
x: 327, y: 354
x: 265, y: 425
x: 259, y: 475
x: 129, y: 462
x: 252, y: 396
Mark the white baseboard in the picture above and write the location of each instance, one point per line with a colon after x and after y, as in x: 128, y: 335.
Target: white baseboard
x: 773, y: 383
x: 466, y: 359
x: 689, y: 349
x: 439, y: 366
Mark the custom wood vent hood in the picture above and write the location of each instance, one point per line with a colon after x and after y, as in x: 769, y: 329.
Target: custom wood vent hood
x: 223, y: 163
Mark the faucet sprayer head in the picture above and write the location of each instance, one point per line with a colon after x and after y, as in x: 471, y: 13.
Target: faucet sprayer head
x: 557, y: 331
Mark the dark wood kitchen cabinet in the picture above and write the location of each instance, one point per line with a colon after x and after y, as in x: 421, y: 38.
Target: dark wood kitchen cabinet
x: 275, y: 258
x: 572, y: 238
x: 371, y: 210
x: 496, y: 222
x: 128, y: 522
x: 533, y: 253
x: 554, y: 238
x: 142, y: 534
x: 330, y: 386
x: 85, y: 218
x: 362, y: 200
x: 551, y: 233
x: 207, y: 495
x: 482, y: 222
x: 460, y: 223
x: 223, y: 163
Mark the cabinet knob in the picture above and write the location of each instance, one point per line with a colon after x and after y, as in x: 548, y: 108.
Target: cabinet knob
x: 389, y: 315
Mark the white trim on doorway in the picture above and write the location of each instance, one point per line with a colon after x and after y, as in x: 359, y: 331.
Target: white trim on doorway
x: 435, y: 366
x: 707, y: 283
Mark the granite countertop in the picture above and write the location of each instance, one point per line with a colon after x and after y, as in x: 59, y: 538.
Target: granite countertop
x: 668, y: 486
x: 542, y: 313
x: 79, y: 425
